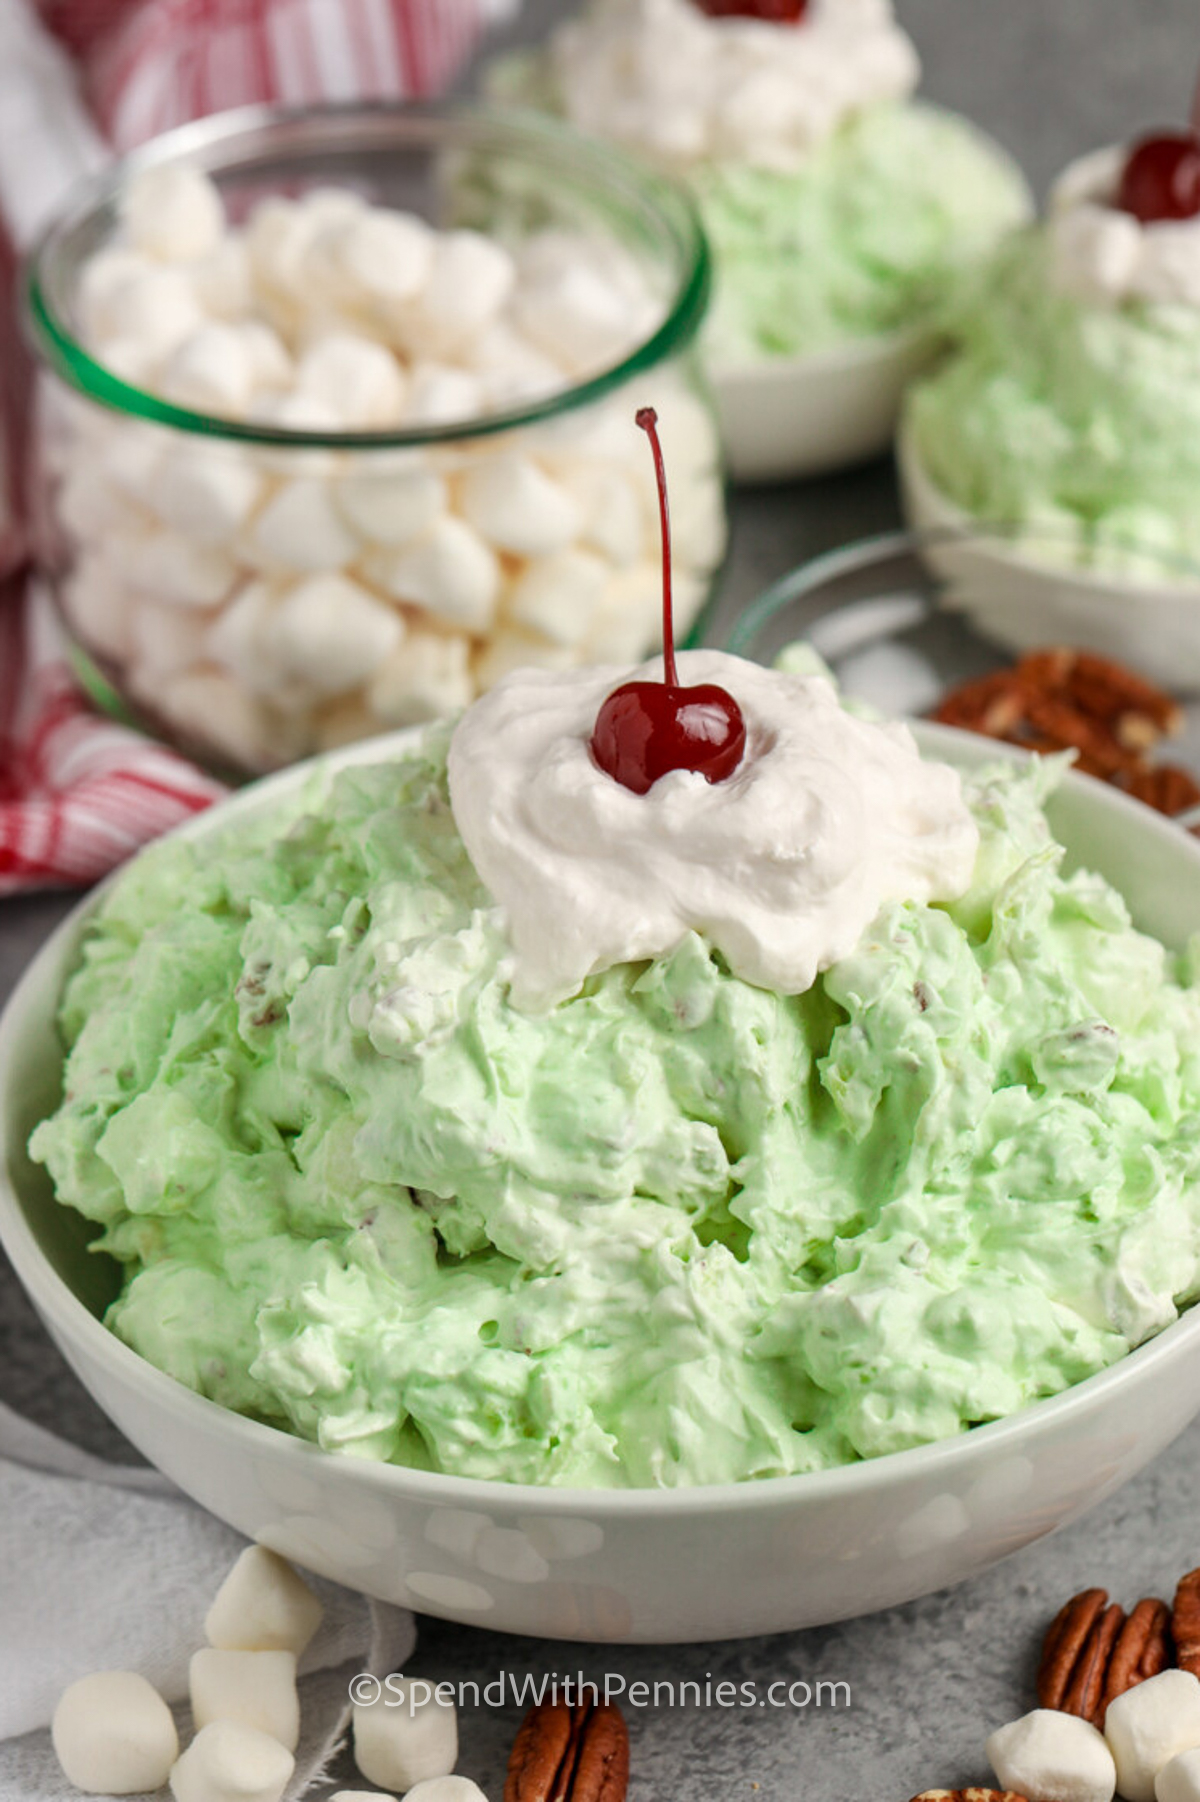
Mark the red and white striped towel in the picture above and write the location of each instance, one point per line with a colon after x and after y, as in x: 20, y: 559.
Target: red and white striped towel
x: 77, y: 793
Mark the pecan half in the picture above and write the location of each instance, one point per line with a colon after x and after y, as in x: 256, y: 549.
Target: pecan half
x: 1142, y: 1649
x: 1185, y: 1623
x: 1065, y: 1638
x: 968, y: 1795
x: 566, y: 1753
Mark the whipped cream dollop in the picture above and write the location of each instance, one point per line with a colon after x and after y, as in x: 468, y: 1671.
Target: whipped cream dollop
x: 781, y: 866
x: 666, y: 79
x: 1102, y: 255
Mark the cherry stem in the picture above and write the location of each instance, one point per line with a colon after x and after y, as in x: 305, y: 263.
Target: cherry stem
x: 647, y: 418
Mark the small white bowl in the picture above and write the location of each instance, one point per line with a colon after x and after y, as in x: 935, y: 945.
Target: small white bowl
x: 1021, y: 600
x: 784, y: 417
x: 803, y: 416
x: 601, y: 1565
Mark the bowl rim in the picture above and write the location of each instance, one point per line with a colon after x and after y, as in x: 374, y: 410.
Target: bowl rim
x: 986, y: 537
x: 62, y: 1310
x: 205, y: 143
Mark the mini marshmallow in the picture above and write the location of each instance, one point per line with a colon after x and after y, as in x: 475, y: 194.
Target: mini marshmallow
x: 296, y: 412
x: 163, y: 641
x: 390, y: 505
x: 89, y: 506
x: 1179, y: 1780
x: 331, y: 634
x: 129, y: 456
x: 206, y: 491
x: 240, y: 638
x: 263, y: 1606
x: 388, y: 256
x: 256, y: 1688
x: 172, y: 568
x: 102, y: 280
x: 130, y: 361
x: 343, y: 722
x: 627, y: 619
x: 1148, y: 1725
x: 173, y: 213
x: 469, y: 280
x: 113, y: 1734
x: 559, y: 597
x: 358, y: 380
x: 441, y: 395
x: 223, y: 281
x: 270, y: 364
x: 425, y: 678
x: 227, y: 1762
x: 445, y: 1789
x: 517, y: 507
x: 1053, y: 1757
x: 576, y: 317
x: 400, y: 1740
x: 510, y: 648
x: 299, y: 528
x: 278, y: 235
x: 159, y: 309
x: 210, y: 371
x: 613, y: 520
x: 210, y: 711
x: 99, y: 607
x: 449, y: 571
x: 360, y: 1795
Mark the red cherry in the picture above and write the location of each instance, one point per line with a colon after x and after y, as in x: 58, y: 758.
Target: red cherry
x: 646, y: 729
x: 775, y: 12
x: 1161, y: 178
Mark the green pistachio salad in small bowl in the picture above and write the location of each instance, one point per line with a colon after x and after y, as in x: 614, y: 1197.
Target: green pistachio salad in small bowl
x: 1067, y: 412
x: 838, y: 208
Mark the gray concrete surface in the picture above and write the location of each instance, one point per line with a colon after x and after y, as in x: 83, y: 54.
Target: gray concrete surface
x: 1049, y: 78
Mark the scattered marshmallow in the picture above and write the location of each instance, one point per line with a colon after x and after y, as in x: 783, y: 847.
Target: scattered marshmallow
x: 1054, y: 1757
x: 258, y: 1689
x: 332, y: 634
x: 113, y: 1734
x: 1148, y: 1725
x: 173, y: 213
x: 445, y: 1789
x: 449, y: 571
x: 517, y: 507
x: 1179, y: 1779
x: 263, y: 1606
x: 399, y: 1741
x: 227, y: 1762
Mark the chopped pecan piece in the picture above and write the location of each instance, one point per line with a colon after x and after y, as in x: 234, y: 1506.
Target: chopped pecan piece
x: 568, y: 1753
x: 1185, y: 1623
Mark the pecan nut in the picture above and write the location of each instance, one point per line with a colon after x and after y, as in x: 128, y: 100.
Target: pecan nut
x: 1142, y: 1649
x: 968, y: 1795
x: 1185, y: 1623
x: 565, y: 1753
x: 1065, y: 1639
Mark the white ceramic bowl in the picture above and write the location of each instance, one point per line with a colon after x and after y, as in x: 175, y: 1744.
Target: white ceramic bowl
x: 804, y: 416
x: 784, y: 417
x: 598, y: 1565
x: 1021, y: 599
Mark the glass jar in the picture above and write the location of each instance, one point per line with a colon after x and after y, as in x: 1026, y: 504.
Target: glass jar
x: 253, y: 585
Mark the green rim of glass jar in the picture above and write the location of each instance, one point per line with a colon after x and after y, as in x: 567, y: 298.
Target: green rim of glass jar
x: 205, y: 143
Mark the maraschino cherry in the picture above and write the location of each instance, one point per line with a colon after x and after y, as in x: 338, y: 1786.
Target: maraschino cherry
x: 645, y: 729
x: 775, y: 12
x: 1161, y: 178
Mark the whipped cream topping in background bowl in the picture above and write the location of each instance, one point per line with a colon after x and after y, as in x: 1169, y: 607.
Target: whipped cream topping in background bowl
x: 663, y: 77
x: 781, y: 866
x: 1103, y: 255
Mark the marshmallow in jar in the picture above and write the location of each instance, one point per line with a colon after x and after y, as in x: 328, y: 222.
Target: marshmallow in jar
x: 256, y: 596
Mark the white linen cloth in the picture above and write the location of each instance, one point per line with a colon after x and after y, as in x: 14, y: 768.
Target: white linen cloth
x: 106, y: 1567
